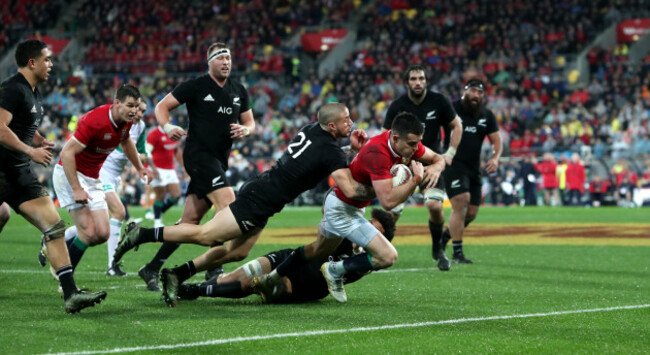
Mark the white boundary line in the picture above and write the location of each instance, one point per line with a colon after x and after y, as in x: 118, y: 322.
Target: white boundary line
x: 338, y: 331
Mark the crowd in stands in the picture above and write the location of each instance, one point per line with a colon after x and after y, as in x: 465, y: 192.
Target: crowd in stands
x: 521, y: 55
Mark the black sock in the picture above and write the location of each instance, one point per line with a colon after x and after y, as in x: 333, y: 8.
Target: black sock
x: 458, y: 247
x: 67, y: 281
x: 169, y: 202
x: 293, y: 261
x: 150, y: 235
x: 446, y: 237
x: 225, y: 290
x: 165, y: 251
x: 76, y: 249
x: 127, y: 216
x: 185, y: 271
x: 157, y: 209
x: 360, y: 263
x: 436, y: 236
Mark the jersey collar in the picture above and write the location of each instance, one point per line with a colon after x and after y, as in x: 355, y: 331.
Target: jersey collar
x: 110, y: 116
x: 390, y: 147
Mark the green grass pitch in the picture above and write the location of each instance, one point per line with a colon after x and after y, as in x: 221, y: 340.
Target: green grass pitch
x: 590, y: 296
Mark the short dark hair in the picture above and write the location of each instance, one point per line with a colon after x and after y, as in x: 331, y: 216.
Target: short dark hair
x: 406, y: 123
x: 386, y: 220
x: 127, y: 90
x: 413, y: 67
x: 213, y: 46
x: 29, y: 49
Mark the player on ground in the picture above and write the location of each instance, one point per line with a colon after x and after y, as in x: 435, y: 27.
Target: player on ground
x: 301, y: 285
x: 162, y: 151
x: 219, y: 112
x: 21, y: 112
x: 76, y: 176
x: 435, y: 111
x: 312, y: 155
x: 463, y: 177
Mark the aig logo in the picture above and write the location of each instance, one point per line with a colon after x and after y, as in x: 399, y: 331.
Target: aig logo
x: 226, y: 110
x: 471, y: 129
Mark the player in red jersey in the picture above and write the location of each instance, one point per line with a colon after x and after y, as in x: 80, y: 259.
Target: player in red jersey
x: 162, y: 151
x: 76, y: 176
x: 343, y: 217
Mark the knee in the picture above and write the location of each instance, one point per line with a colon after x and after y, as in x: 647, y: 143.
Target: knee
x: 435, y: 211
x: 97, y: 236
x: 469, y: 217
x: 386, y: 259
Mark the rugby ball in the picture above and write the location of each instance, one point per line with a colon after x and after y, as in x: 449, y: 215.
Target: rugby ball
x: 401, y: 174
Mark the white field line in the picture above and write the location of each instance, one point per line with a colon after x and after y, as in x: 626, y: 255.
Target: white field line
x: 347, y: 330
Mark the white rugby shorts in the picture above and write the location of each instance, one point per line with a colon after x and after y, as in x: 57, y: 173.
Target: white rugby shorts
x: 345, y: 221
x: 165, y: 177
x: 64, y: 192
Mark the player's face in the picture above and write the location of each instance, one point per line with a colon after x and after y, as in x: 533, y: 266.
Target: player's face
x: 343, y: 125
x: 474, y: 97
x: 142, y: 108
x: 127, y: 110
x: 417, y: 83
x: 220, y: 66
x: 406, y: 146
x: 43, y: 65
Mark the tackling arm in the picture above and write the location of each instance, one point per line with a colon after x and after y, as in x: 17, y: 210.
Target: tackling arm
x: 350, y: 187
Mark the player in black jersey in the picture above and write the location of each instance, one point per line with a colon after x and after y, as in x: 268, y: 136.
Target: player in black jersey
x: 20, y: 114
x: 219, y: 112
x: 463, y: 177
x: 312, y: 155
x: 435, y: 111
x: 300, y: 285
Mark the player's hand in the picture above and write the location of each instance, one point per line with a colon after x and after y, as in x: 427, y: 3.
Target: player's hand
x: 81, y: 196
x: 358, y: 138
x: 145, y: 176
x: 431, y: 175
x: 41, y: 155
x: 491, y: 166
x: 238, y: 131
x: 447, y: 159
x: 176, y: 134
x: 418, y: 171
x: 47, y: 144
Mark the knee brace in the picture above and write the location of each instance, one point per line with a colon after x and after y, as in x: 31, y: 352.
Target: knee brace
x: 434, y: 194
x: 54, y: 232
x: 253, y: 268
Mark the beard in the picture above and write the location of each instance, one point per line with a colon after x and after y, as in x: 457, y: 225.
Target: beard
x: 415, y: 95
x: 471, y: 107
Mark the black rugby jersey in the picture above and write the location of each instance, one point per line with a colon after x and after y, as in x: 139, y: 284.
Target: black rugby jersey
x: 211, y: 110
x: 312, y: 155
x: 435, y: 112
x: 17, y: 97
x: 475, y: 129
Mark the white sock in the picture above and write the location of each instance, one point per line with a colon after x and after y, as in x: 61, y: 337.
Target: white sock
x: 70, y: 233
x: 113, y: 239
x: 158, y: 223
x: 336, y: 268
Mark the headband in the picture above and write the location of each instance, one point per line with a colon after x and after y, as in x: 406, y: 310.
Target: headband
x: 474, y: 84
x: 217, y: 53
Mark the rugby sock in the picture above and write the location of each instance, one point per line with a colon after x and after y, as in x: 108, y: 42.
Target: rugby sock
x: 226, y: 290
x: 66, y: 280
x: 127, y: 216
x: 70, y: 233
x: 293, y: 261
x: 113, y: 239
x: 185, y: 271
x: 157, y: 209
x: 76, y: 249
x: 165, y: 251
x: 169, y: 202
x: 360, y: 263
x: 150, y: 235
x: 436, y: 237
x: 458, y: 247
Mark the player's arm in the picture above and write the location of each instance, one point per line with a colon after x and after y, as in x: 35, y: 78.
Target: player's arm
x: 167, y: 104
x: 350, y: 187
x: 129, y: 149
x: 149, y: 148
x: 456, y: 133
x: 41, y: 155
x: 493, y: 163
x: 245, y: 127
x: 435, y: 165
x: 389, y: 197
x: 68, y: 156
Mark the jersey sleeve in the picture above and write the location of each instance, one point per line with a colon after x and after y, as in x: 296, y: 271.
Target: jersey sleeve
x: 245, y: 100
x: 9, y: 98
x: 377, y: 164
x: 335, y: 158
x: 492, y: 125
x: 183, y: 92
x: 83, y: 133
x: 390, y: 115
x: 448, y: 113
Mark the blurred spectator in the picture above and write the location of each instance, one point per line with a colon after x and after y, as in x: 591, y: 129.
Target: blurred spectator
x: 597, y: 190
x: 549, y: 179
x: 528, y: 174
x: 575, y: 180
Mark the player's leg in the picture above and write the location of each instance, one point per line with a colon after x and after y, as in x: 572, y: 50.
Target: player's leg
x: 433, y: 199
x: 5, y: 214
x: 174, y: 190
x: 42, y: 213
x: 459, y: 205
x: 117, y: 217
x: 158, y: 203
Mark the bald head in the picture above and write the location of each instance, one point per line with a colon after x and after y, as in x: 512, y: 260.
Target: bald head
x: 330, y: 112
